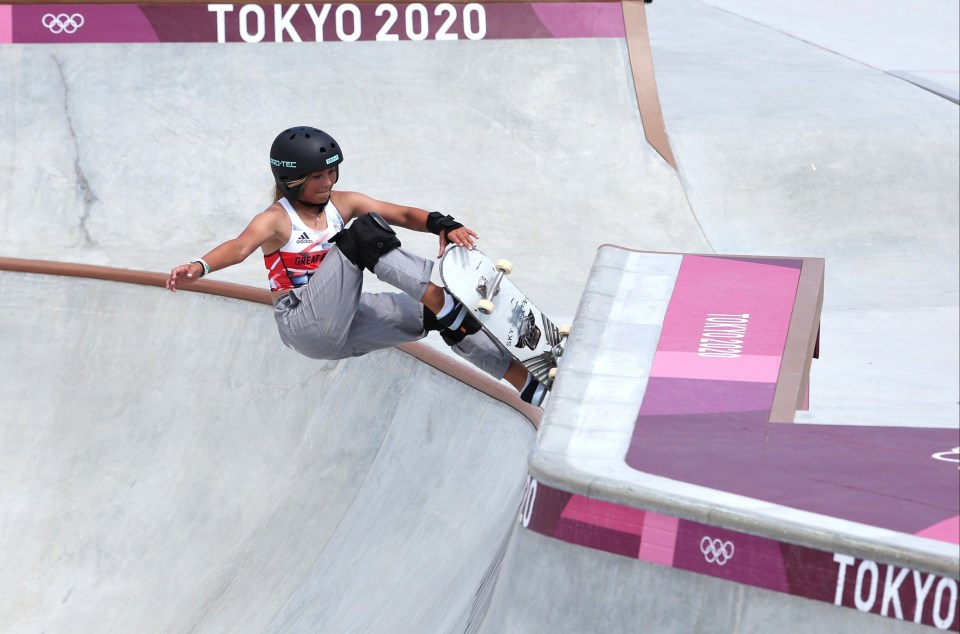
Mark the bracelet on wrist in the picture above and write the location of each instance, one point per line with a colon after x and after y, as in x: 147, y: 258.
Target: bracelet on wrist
x: 204, y: 265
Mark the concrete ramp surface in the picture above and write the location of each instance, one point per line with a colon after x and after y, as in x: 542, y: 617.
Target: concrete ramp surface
x: 167, y: 466
x: 164, y: 468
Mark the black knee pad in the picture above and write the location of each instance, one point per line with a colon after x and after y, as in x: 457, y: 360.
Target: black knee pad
x: 366, y: 240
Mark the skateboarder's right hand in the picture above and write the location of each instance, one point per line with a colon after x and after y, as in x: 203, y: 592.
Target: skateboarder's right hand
x: 462, y: 237
x: 184, y: 274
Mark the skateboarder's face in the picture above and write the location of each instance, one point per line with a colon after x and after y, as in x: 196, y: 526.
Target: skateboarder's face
x: 317, y: 187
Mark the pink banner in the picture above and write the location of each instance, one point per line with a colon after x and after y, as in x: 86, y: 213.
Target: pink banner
x: 727, y: 319
x: 6, y: 23
x: 842, y: 580
x: 342, y: 22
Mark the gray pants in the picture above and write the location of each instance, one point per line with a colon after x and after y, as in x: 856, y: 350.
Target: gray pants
x: 331, y: 318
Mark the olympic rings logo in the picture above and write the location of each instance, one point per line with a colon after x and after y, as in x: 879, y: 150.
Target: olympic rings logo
x: 716, y: 551
x: 62, y: 22
x: 948, y: 456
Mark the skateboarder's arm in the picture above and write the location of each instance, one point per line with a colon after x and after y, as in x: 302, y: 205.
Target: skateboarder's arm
x: 263, y: 228
x: 352, y: 204
x: 355, y: 204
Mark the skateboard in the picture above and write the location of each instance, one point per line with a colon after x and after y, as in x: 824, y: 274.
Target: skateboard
x: 503, y: 311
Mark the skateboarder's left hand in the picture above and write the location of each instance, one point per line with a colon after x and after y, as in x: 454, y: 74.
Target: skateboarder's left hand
x: 462, y: 236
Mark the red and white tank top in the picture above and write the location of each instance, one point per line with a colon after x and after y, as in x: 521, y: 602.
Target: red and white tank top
x: 295, y: 262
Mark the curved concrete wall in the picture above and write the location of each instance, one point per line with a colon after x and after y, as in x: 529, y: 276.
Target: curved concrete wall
x: 167, y: 465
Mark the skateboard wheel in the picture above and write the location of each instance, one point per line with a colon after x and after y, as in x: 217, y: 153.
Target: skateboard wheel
x: 485, y: 306
x: 505, y: 266
x: 564, y: 330
x: 553, y: 373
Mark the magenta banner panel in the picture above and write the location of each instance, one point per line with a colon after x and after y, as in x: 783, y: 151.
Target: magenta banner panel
x: 727, y: 320
x: 345, y: 22
x: 846, y: 581
x: 705, y: 415
x: 6, y: 23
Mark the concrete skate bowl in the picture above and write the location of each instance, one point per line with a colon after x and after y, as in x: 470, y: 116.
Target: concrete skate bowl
x: 166, y: 465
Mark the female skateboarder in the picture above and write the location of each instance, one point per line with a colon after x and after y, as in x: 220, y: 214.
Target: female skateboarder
x: 315, y: 264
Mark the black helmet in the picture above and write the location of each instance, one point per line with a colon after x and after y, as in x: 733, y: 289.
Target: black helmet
x: 299, y: 151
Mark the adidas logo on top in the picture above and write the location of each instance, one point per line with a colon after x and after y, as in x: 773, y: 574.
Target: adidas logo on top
x: 304, y: 238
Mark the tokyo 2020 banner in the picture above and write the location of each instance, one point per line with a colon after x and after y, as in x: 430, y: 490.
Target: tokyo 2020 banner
x: 305, y: 23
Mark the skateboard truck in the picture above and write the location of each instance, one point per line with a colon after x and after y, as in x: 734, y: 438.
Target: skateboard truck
x: 484, y: 285
x: 489, y: 291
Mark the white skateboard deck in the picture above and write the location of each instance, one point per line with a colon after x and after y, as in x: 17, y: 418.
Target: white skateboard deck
x: 515, y: 321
